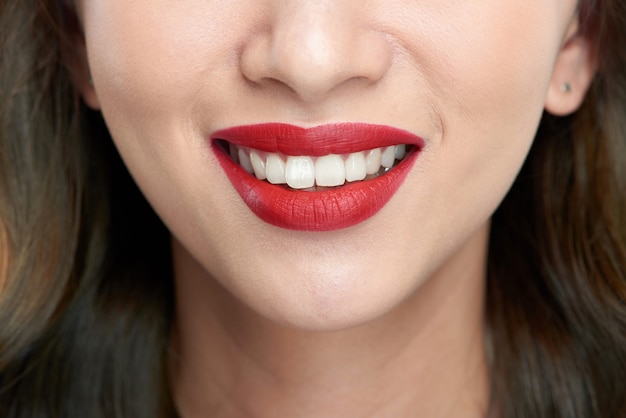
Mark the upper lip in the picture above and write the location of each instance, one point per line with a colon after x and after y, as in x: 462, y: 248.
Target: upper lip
x: 336, y: 138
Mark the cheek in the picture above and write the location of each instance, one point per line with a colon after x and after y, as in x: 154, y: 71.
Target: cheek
x: 143, y: 71
x: 495, y: 68
x: 487, y: 79
x: 490, y: 83
x: 153, y: 62
x: 153, y: 69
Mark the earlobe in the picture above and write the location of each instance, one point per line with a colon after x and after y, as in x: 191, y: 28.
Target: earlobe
x: 573, y: 72
x: 89, y: 95
x: 75, y: 57
x: 85, y: 86
x: 80, y: 73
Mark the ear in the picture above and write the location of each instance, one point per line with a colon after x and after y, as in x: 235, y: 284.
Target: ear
x: 75, y: 57
x: 573, y: 72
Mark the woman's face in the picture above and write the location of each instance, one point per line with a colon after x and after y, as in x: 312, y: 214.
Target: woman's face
x: 462, y: 83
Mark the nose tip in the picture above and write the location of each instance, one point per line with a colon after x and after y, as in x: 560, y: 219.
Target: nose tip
x: 313, y: 55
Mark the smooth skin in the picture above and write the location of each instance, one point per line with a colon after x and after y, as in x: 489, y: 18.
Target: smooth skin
x: 383, y: 319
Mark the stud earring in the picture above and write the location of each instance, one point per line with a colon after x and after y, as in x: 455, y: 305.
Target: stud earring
x: 566, y: 87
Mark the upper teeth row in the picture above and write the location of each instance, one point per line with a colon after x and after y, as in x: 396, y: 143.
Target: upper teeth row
x: 301, y: 172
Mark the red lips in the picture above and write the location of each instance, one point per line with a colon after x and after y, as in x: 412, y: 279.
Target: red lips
x: 326, y: 210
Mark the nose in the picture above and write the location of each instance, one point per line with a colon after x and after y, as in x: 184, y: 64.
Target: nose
x: 312, y: 48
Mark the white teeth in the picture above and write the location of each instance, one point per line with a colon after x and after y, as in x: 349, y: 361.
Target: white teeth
x: 258, y: 165
x: 372, y: 161
x: 300, y: 172
x: 244, y: 161
x: 355, y: 167
x: 388, y: 157
x: 330, y: 170
x: 400, y: 151
x: 304, y: 172
x: 275, y: 169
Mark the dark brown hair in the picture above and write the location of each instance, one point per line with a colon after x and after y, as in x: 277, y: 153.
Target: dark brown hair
x: 86, y: 304
x: 556, y: 297
x: 86, y: 299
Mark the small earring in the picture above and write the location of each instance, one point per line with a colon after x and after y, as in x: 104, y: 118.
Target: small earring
x: 566, y: 87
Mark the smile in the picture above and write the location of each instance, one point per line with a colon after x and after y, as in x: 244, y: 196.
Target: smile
x: 317, y: 179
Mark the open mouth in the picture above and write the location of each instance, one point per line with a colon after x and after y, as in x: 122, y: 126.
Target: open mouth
x: 354, y: 169
x: 316, y: 173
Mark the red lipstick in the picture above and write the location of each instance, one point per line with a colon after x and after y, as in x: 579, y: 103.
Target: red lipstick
x: 325, y: 210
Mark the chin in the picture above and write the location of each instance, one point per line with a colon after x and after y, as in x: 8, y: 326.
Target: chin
x: 308, y: 315
x: 326, y: 297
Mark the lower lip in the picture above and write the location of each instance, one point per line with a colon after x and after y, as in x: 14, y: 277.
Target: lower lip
x: 326, y: 210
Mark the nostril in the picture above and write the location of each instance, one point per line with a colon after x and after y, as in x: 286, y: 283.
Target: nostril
x: 254, y: 63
